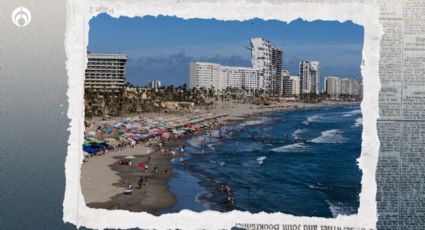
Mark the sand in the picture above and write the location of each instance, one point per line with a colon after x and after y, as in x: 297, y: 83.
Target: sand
x: 149, y: 198
x: 97, y: 178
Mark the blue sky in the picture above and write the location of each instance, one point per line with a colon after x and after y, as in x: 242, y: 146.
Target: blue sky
x: 160, y: 48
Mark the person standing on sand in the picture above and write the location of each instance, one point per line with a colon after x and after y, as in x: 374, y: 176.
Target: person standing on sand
x: 149, y: 159
x: 146, y: 181
x: 140, y: 183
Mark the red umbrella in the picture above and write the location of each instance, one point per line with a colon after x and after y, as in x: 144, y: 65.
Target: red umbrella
x: 166, y: 135
x: 142, y: 165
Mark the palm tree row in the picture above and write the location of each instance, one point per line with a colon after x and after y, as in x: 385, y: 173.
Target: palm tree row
x: 135, y: 99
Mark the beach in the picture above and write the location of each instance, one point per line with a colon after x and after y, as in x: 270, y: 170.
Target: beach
x: 103, y: 180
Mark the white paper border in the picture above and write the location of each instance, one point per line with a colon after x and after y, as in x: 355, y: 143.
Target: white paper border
x: 79, y: 13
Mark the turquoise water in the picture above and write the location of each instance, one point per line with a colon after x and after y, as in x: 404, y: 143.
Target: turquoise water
x: 308, y: 168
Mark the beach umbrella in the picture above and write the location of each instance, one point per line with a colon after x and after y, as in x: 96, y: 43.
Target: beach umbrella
x: 130, y: 157
x: 111, y: 141
x: 89, y: 150
x: 86, y: 142
x: 96, y: 140
x: 123, y: 140
x: 165, y: 135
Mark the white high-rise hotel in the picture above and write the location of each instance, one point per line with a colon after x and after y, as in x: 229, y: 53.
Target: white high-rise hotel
x: 261, y: 59
x: 309, y: 76
x: 337, y: 86
x: 207, y: 75
x: 259, y: 76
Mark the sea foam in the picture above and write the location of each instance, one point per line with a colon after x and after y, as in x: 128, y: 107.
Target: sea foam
x: 314, y: 118
x: 296, y: 147
x: 330, y: 136
x: 261, y: 159
x: 339, y: 208
x: 358, y: 122
x: 296, y: 134
x: 352, y: 113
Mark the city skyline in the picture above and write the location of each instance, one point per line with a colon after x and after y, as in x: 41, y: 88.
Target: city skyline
x: 153, y: 55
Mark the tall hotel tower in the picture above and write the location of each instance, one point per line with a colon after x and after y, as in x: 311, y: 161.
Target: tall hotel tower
x: 106, y: 72
x: 277, y: 66
x: 309, y: 76
x: 261, y: 59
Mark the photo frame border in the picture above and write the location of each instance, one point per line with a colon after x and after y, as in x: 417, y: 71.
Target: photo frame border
x: 79, y: 13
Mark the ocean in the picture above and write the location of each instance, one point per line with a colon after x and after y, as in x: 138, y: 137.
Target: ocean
x: 308, y: 166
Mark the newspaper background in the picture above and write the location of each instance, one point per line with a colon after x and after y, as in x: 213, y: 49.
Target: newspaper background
x: 401, y: 166
x: 399, y: 176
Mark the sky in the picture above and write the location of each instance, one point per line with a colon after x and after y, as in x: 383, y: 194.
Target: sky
x: 161, y: 48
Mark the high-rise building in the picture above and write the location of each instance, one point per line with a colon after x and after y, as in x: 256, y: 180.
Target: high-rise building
x: 309, y: 72
x: 282, y: 82
x: 332, y: 86
x: 277, y: 60
x: 106, y: 72
x: 295, y: 85
x: 261, y: 59
x: 277, y: 64
x: 266, y: 70
x: 345, y: 86
x: 155, y: 84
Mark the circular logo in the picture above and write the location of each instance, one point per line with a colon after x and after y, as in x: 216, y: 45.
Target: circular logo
x: 21, y: 17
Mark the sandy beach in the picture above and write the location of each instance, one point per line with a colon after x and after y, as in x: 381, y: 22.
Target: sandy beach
x: 98, y: 180
x: 143, y: 199
x: 103, y: 180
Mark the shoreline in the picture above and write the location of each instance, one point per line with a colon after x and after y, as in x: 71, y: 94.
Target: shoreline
x: 143, y: 199
x: 158, y: 196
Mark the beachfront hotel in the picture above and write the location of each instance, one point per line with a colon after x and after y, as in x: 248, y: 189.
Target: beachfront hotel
x: 266, y: 62
x: 337, y: 86
x: 106, y: 72
x: 207, y: 75
x: 281, y: 83
x: 294, y: 82
x: 309, y: 72
x: 261, y: 59
x: 277, y: 68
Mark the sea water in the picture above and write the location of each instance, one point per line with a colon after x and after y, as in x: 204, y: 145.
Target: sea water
x: 317, y: 175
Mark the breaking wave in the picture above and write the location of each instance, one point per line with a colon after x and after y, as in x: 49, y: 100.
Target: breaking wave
x: 330, y: 136
x: 296, y: 133
x: 296, y: 147
x: 358, y: 122
x: 261, y: 159
x: 339, y: 208
x: 352, y: 113
x: 314, y: 118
